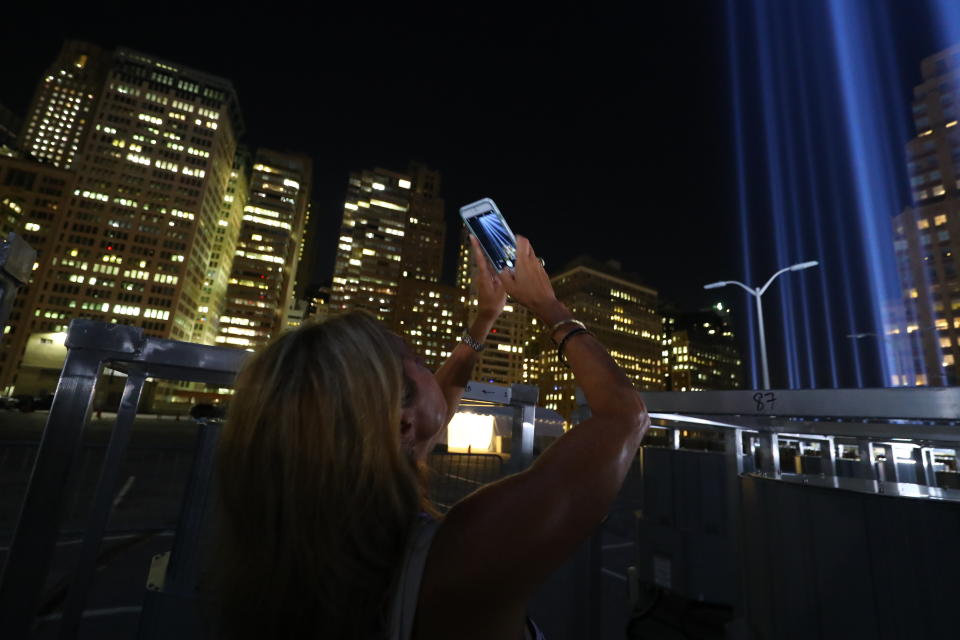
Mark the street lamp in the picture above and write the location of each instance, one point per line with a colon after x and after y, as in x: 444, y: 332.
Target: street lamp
x: 756, y: 293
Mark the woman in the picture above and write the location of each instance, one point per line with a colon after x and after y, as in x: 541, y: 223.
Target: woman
x: 327, y: 531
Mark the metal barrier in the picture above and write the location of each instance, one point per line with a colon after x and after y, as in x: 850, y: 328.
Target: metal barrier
x: 16, y: 265
x: 92, y: 345
x: 707, y: 450
x: 688, y: 487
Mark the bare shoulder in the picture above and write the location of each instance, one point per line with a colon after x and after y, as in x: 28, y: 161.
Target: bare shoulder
x: 445, y: 608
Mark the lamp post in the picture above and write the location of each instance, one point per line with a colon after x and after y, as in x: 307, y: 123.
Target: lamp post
x: 756, y: 293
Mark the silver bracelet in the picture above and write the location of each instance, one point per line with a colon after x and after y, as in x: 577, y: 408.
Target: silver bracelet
x: 554, y: 328
x: 468, y: 340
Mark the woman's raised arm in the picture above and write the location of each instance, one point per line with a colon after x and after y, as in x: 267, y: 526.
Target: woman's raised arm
x: 455, y: 373
x: 497, y: 545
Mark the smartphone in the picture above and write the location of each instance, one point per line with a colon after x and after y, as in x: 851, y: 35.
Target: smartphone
x: 485, y: 221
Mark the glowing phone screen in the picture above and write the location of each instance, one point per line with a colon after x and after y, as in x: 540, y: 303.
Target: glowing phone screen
x: 495, y: 238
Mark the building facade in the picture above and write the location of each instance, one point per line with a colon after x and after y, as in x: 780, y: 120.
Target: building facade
x: 155, y: 148
x: 64, y: 103
x: 623, y: 315
x: 393, y: 229
x: 260, y: 288
x: 431, y: 317
x: 213, y: 301
x: 390, y: 260
x: 702, y: 353
x: 924, y: 331
x: 33, y: 199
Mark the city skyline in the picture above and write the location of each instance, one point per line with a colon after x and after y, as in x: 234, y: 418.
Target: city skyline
x: 581, y: 169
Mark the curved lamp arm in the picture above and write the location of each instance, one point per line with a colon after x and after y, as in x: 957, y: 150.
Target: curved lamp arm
x: 723, y: 283
x: 794, y: 267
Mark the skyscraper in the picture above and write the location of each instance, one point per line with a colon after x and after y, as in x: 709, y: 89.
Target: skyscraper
x: 390, y: 259
x: 620, y: 312
x: 213, y: 302
x: 265, y: 259
x: 155, y: 147
x: 431, y: 316
x: 927, y: 235
x: 393, y: 228
x: 64, y: 102
x: 702, y: 353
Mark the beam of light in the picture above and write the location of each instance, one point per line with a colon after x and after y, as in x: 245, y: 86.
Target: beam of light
x: 865, y: 128
x: 775, y: 157
x: 946, y: 21
x: 742, y: 195
x: 819, y: 120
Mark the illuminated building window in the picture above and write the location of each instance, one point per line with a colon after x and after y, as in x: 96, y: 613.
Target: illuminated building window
x: 940, y: 219
x: 923, y: 224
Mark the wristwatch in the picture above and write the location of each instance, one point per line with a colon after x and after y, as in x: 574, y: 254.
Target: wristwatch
x: 468, y: 340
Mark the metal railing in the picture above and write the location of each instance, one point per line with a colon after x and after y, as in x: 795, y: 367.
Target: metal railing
x: 705, y: 453
x: 722, y: 469
x: 16, y: 265
x: 91, y: 346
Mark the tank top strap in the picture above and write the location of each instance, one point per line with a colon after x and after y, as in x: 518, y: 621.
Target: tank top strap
x: 408, y: 584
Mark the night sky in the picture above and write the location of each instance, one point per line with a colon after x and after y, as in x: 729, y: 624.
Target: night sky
x: 599, y: 133
x: 603, y: 131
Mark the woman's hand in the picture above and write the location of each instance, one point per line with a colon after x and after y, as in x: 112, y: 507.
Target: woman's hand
x: 528, y: 283
x: 491, y: 296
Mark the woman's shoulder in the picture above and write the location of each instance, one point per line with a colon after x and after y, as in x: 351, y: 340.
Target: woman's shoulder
x: 444, y: 601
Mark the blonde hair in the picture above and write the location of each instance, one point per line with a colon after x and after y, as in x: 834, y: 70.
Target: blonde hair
x: 316, y: 494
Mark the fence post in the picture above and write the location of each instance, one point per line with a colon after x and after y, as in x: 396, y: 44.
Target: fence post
x: 524, y: 398
x: 35, y: 535
x: 867, y: 467
x: 770, y: 452
x: 925, y: 460
x: 103, y: 504
x: 828, y: 454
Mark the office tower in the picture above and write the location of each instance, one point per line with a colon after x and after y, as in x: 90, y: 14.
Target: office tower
x: 620, y: 312
x: 33, y: 198
x: 701, y: 353
x: 213, y: 301
x: 392, y: 229
x: 431, y: 317
x: 260, y: 288
x: 927, y: 234
x: 507, y: 358
x: 64, y: 102
x: 154, y: 159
